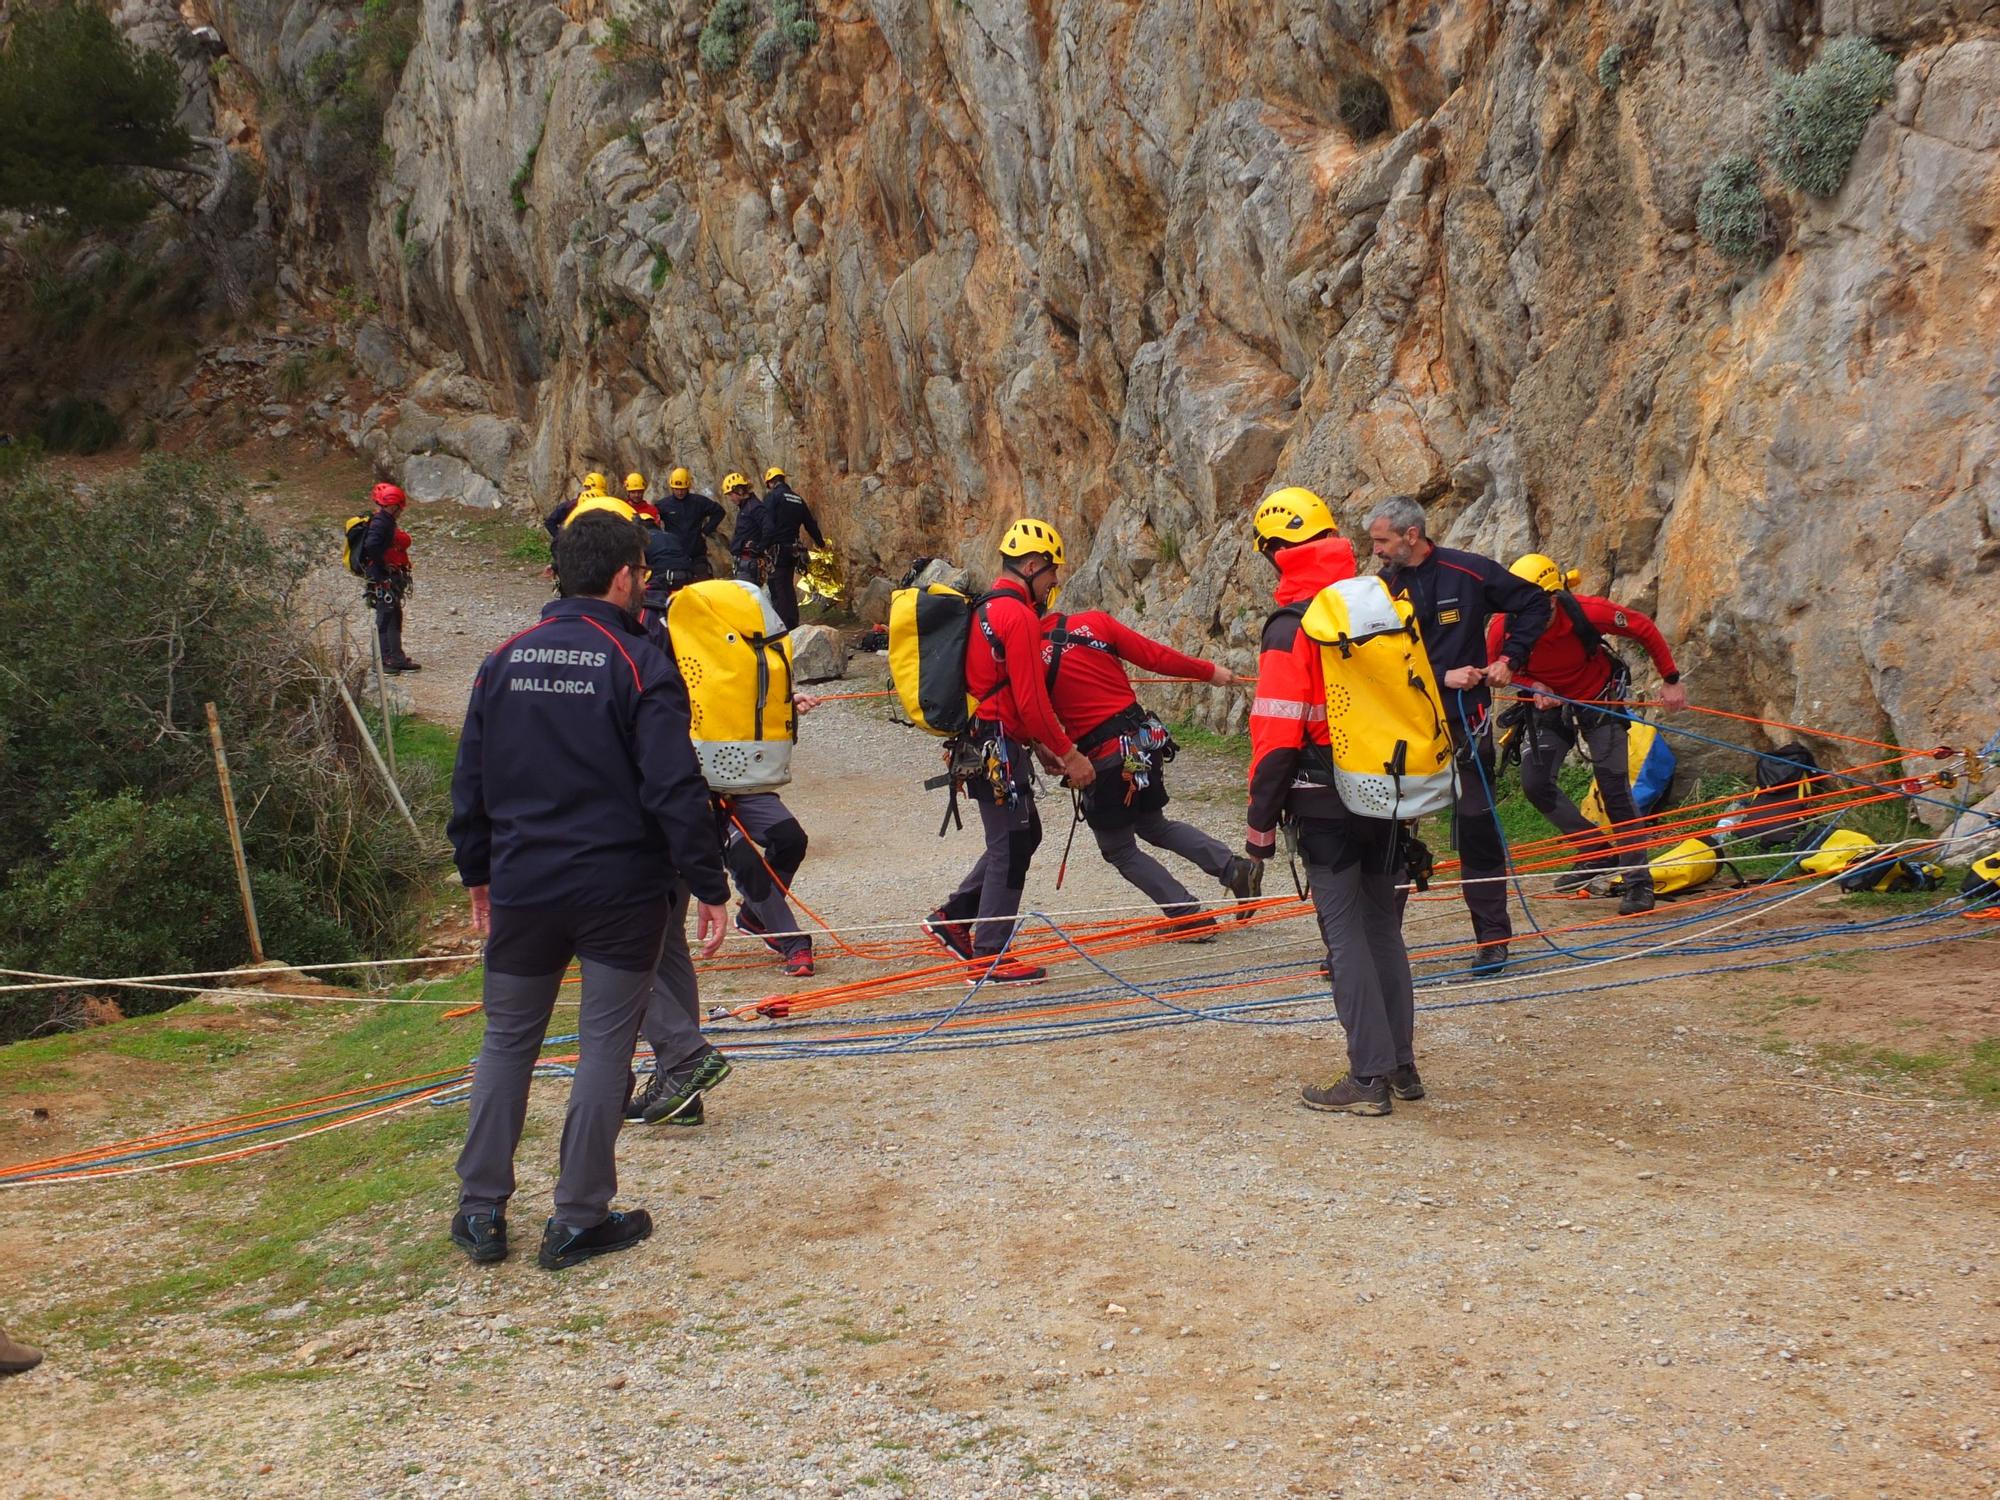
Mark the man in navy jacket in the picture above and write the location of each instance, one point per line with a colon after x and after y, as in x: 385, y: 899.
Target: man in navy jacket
x: 578, y: 811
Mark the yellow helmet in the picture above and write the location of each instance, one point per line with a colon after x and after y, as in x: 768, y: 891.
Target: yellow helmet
x: 774, y: 472
x: 680, y: 479
x: 589, y: 502
x: 1292, y: 514
x: 635, y: 480
x: 1544, y: 573
x: 1033, y: 538
x: 594, y: 483
x: 733, y: 482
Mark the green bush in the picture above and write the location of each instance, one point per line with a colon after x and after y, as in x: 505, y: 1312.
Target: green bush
x: 1611, y: 68
x: 142, y: 887
x: 1730, y: 214
x: 796, y: 24
x: 74, y: 425
x: 1819, y: 116
x: 721, y: 42
x: 125, y: 609
x: 768, y: 54
x: 1364, y: 107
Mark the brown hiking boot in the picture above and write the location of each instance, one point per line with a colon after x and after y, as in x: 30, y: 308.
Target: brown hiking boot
x: 1348, y: 1095
x: 16, y: 1359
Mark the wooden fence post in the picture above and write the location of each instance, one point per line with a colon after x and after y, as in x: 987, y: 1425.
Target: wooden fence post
x: 235, y: 837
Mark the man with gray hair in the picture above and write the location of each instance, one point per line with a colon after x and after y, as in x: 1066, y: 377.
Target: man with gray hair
x: 1453, y: 594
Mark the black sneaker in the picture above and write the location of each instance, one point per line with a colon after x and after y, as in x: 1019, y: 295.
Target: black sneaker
x: 563, y: 1246
x: 1637, y: 899
x: 483, y: 1237
x: 1492, y: 960
x: 692, y: 1115
x: 1348, y: 1095
x: 684, y: 1086
x: 1570, y: 882
x: 1244, y: 879
x: 641, y: 1098
x: 1404, y: 1083
x: 1195, y: 926
x: 749, y: 926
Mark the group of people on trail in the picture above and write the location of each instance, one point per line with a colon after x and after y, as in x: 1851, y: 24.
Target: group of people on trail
x: 592, y: 808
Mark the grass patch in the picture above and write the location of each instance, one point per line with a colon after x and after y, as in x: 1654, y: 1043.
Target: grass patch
x: 1194, y: 737
x: 344, y: 1213
x: 1980, y: 1077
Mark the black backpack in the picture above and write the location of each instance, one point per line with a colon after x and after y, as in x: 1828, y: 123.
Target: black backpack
x: 354, y: 533
x: 1786, y: 777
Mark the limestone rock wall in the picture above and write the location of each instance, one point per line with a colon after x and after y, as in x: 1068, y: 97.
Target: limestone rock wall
x: 1118, y: 263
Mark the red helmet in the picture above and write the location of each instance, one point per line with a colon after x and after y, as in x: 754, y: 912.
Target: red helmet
x: 390, y: 495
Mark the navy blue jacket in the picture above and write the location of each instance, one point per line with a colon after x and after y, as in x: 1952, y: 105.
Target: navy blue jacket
x: 749, y: 538
x: 785, y: 511
x: 1453, y: 594
x: 685, y: 527
x: 576, y: 784
x: 375, y: 541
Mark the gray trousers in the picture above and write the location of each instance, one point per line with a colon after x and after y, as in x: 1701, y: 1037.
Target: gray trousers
x: 517, y: 1018
x: 1120, y: 848
x: 672, y: 1026
x: 1544, y: 746
x: 1363, y: 927
x: 991, y: 890
x: 762, y: 814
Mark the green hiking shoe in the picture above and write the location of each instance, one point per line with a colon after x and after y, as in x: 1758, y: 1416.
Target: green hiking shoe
x: 681, y: 1090
x: 1348, y: 1095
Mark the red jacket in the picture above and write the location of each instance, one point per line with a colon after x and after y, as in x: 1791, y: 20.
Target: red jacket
x: 1559, y: 662
x: 1015, y: 695
x: 1091, y: 685
x: 1290, y: 710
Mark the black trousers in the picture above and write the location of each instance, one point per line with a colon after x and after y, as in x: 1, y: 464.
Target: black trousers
x: 388, y: 609
x: 783, y: 586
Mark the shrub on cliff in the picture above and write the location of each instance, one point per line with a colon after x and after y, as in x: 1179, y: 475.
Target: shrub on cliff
x: 1730, y: 214
x: 1819, y: 116
x: 1611, y: 68
x: 1364, y: 107
x: 721, y: 42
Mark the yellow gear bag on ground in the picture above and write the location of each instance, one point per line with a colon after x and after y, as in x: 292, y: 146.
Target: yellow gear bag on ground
x: 736, y: 658
x: 928, y: 632
x: 1684, y: 866
x: 1839, y: 849
x: 1391, y: 748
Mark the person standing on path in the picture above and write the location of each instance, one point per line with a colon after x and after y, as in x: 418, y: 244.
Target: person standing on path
x: 785, y: 512
x: 1454, y: 594
x: 1083, y: 661
x: 1354, y: 863
x: 385, y: 564
x: 578, y: 811
x: 749, y: 550
x: 1012, y: 716
x: 1570, y: 660
x: 678, y: 553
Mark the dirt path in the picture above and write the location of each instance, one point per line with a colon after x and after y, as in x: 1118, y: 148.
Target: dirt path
x: 1638, y: 1242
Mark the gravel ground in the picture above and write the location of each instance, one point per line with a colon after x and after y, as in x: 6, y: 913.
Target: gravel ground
x: 1620, y: 1250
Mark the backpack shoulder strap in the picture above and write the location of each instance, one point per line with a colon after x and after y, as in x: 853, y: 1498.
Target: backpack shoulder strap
x: 1060, y: 640
x: 1589, y: 634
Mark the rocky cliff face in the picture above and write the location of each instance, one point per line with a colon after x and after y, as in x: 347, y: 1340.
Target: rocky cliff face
x: 1119, y: 263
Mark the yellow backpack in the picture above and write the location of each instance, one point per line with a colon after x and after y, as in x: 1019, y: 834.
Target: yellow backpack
x: 736, y: 659
x: 350, y: 544
x: 1684, y: 866
x: 1391, y: 748
x: 1649, y: 773
x: 928, y: 632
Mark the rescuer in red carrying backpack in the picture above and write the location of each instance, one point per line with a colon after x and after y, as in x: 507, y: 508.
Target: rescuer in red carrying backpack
x: 385, y: 564
x: 1570, y: 660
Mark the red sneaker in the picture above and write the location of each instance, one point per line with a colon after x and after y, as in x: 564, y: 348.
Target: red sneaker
x: 954, y: 937
x: 799, y: 965
x: 1005, y: 970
